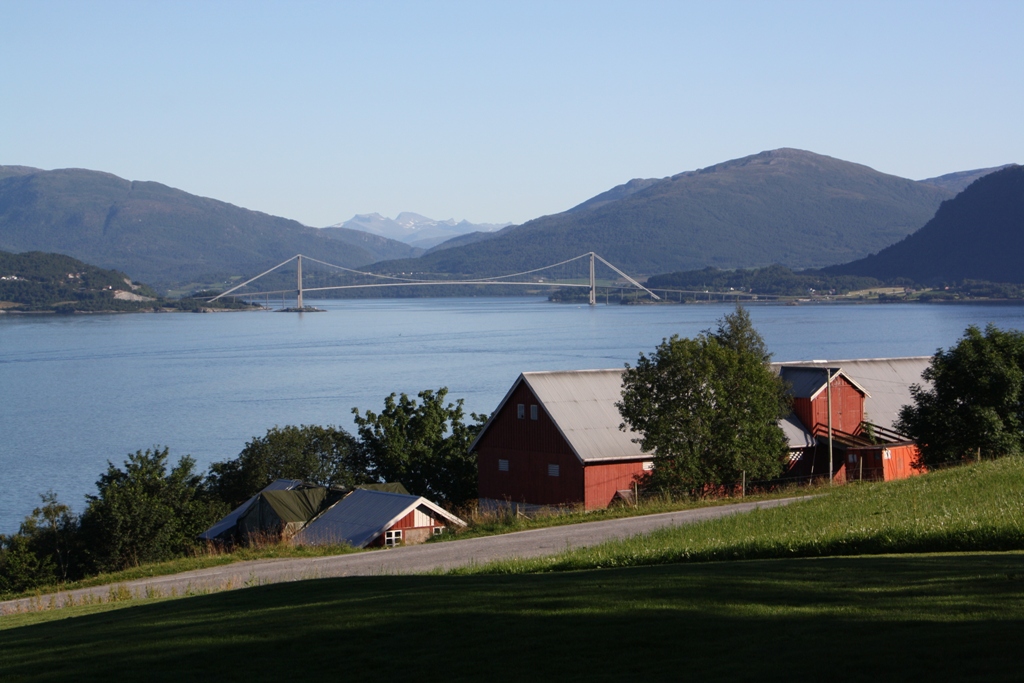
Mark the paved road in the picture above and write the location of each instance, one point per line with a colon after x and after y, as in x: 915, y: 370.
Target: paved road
x: 405, y: 560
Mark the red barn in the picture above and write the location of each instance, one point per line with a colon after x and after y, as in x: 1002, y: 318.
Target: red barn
x: 555, y: 439
x: 864, y: 444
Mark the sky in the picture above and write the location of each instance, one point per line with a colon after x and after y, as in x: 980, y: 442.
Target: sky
x: 497, y: 111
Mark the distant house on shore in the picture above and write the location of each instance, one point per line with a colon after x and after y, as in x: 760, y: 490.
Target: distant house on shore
x: 372, y: 515
x: 555, y: 440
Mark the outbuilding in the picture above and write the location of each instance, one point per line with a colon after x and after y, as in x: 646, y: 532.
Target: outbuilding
x: 555, y: 438
x: 367, y: 518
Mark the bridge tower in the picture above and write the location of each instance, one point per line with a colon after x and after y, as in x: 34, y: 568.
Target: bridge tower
x: 300, y: 306
x: 593, y: 285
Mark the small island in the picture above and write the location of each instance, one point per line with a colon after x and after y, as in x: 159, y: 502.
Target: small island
x: 38, y: 282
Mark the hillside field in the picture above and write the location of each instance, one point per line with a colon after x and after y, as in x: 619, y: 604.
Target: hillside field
x: 840, y: 611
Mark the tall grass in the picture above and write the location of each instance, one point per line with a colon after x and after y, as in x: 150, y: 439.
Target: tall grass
x: 210, y: 555
x: 503, y: 520
x: 971, y: 508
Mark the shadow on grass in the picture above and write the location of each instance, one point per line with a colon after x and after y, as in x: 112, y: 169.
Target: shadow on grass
x: 908, y: 617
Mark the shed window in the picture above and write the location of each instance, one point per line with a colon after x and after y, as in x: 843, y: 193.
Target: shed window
x: 502, y: 465
x: 521, y: 411
x: 393, y: 538
x: 552, y: 470
x: 438, y: 530
x: 533, y: 412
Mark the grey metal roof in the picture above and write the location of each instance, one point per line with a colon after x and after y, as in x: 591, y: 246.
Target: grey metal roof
x: 581, y: 403
x: 228, y: 523
x: 887, y: 381
x: 363, y: 515
x: 796, y: 433
x: 808, y: 382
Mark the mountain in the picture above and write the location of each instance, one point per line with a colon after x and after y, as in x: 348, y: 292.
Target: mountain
x: 787, y: 206
x: 958, y: 182
x: 159, y: 234
x: 978, y: 235
x: 414, y: 229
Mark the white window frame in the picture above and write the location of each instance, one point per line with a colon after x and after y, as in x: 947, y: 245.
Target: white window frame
x: 438, y: 530
x: 392, y: 538
x: 534, y: 412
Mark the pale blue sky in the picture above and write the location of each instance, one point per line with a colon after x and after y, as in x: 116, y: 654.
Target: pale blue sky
x: 497, y: 111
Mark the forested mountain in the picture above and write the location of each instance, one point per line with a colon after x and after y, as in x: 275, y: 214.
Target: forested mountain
x: 159, y: 234
x: 958, y: 182
x: 787, y: 206
x: 979, y: 235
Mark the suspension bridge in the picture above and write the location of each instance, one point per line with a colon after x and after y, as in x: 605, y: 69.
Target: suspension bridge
x: 349, y: 279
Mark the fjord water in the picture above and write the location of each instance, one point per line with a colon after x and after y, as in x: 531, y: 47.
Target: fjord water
x: 78, y: 391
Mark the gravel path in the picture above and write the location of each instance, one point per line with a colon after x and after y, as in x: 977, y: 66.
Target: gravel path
x: 405, y: 560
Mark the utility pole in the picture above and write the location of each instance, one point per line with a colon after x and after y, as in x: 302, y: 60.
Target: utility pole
x: 828, y: 375
x: 300, y: 282
x: 593, y: 286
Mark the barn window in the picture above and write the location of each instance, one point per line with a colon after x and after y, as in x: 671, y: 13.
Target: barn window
x: 552, y: 470
x: 502, y: 465
x: 521, y: 411
x: 393, y: 538
x: 438, y: 530
x: 533, y: 412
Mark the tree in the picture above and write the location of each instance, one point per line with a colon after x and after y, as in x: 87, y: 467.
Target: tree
x: 975, y: 404
x: 707, y: 408
x: 145, y: 513
x: 327, y: 456
x: 409, y: 442
x: 52, y: 533
x: 20, y: 568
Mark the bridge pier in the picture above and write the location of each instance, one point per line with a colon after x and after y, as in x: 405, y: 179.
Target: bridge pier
x: 593, y: 286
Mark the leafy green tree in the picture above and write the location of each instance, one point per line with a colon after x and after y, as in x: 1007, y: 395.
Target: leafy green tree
x: 319, y: 455
x: 145, y: 513
x: 707, y: 408
x: 21, y: 568
x: 975, y: 404
x: 52, y: 532
x: 425, y: 445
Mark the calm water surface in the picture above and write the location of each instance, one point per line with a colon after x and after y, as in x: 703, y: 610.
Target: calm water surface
x: 80, y: 390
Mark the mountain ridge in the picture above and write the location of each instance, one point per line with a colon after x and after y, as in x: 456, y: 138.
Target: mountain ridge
x: 977, y: 235
x: 787, y: 206
x: 156, y: 233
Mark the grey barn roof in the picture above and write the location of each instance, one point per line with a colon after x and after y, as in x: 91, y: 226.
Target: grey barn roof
x: 363, y: 515
x: 808, y: 382
x: 887, y: 381
x: 581, y: 403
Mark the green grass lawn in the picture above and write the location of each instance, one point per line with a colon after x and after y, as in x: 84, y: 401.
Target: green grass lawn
x: 827, y: 605
x: 912, y: 617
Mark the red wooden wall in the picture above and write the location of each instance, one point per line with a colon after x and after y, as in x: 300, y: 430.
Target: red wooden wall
x: 847, y: 408
x: 602, y: 481
x: 529, y: 446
